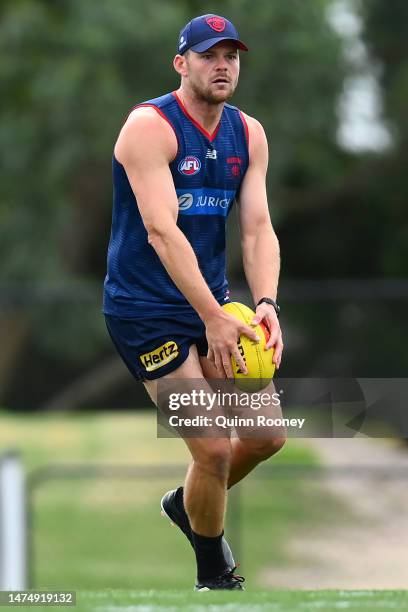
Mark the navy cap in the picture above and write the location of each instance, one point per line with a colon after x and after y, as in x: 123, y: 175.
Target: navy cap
x: 203, y: 32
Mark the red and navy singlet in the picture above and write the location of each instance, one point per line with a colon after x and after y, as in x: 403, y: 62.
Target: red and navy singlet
x: 207, y: 173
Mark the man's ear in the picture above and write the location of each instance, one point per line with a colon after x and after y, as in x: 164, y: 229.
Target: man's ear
x: 180, y: 64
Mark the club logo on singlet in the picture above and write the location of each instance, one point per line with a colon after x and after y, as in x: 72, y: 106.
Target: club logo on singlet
x: 189, y: 165
x: 160, y: 356
x: 234, y: 165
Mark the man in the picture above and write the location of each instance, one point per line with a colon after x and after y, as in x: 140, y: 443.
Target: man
x: 179, y: 163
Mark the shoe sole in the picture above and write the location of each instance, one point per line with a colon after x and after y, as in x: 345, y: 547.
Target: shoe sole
x: 202, y: 590
x: 208, y: 589
x: 164, y: 513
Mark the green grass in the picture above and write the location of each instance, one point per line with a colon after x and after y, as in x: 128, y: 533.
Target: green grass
x: 110, y: 535
x: 172, y: 601
x: 96, y: 533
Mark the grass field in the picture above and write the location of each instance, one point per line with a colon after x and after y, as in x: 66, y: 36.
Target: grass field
x: 172, y: 601
x: 104, y: 537
x: 99, y: 532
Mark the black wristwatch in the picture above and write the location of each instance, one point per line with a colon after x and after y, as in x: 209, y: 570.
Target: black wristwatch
x: 272, y: 302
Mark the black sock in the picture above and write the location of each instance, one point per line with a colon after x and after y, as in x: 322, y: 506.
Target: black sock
x: 209, y: 556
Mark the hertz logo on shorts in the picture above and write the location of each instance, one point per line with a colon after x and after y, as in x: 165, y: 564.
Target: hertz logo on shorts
x: 160, y: 356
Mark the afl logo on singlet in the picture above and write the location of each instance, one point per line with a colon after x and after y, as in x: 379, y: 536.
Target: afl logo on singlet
x: 189, y: 165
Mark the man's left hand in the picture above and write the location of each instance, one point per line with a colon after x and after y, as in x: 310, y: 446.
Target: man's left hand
x: 266, y: 314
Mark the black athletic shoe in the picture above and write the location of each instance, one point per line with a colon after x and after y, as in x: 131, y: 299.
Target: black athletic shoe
x: 172, y: 507
x: 176, y: 513
x: 227, y: 581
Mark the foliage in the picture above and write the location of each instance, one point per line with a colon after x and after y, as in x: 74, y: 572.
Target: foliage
x: 71, y: 71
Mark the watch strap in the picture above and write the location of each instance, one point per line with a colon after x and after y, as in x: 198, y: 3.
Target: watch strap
x: 272, y: 302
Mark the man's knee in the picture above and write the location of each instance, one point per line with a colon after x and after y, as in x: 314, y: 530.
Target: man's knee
x: 215, y: 457
x: 263, y: 448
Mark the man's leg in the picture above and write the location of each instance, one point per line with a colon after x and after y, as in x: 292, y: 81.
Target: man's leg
x: 206, y: 483
x: 247, y: 453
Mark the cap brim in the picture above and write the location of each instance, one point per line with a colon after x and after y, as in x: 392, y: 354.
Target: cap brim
x: 210, y: 42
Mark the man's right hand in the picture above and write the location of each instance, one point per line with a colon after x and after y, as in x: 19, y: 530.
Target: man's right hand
x: 223, y: 332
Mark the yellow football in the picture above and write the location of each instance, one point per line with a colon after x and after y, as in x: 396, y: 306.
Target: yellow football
x: 258, y: 361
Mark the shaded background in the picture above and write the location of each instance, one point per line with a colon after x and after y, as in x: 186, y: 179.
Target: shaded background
x: 329, y: 81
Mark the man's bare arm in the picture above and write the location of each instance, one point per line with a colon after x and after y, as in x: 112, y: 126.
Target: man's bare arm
x: 260, y: 246
x: 145, y: 147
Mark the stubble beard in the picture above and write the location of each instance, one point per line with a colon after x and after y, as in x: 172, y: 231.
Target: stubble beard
x: 206, y: 95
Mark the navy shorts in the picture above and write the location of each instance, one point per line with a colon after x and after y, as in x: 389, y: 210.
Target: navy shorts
x: 155, y: 346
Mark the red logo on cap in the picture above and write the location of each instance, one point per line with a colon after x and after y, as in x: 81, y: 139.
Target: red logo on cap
x: 216, y: 23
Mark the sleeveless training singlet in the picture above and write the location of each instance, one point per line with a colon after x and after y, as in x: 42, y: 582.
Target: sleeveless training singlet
x: 207, y: 173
